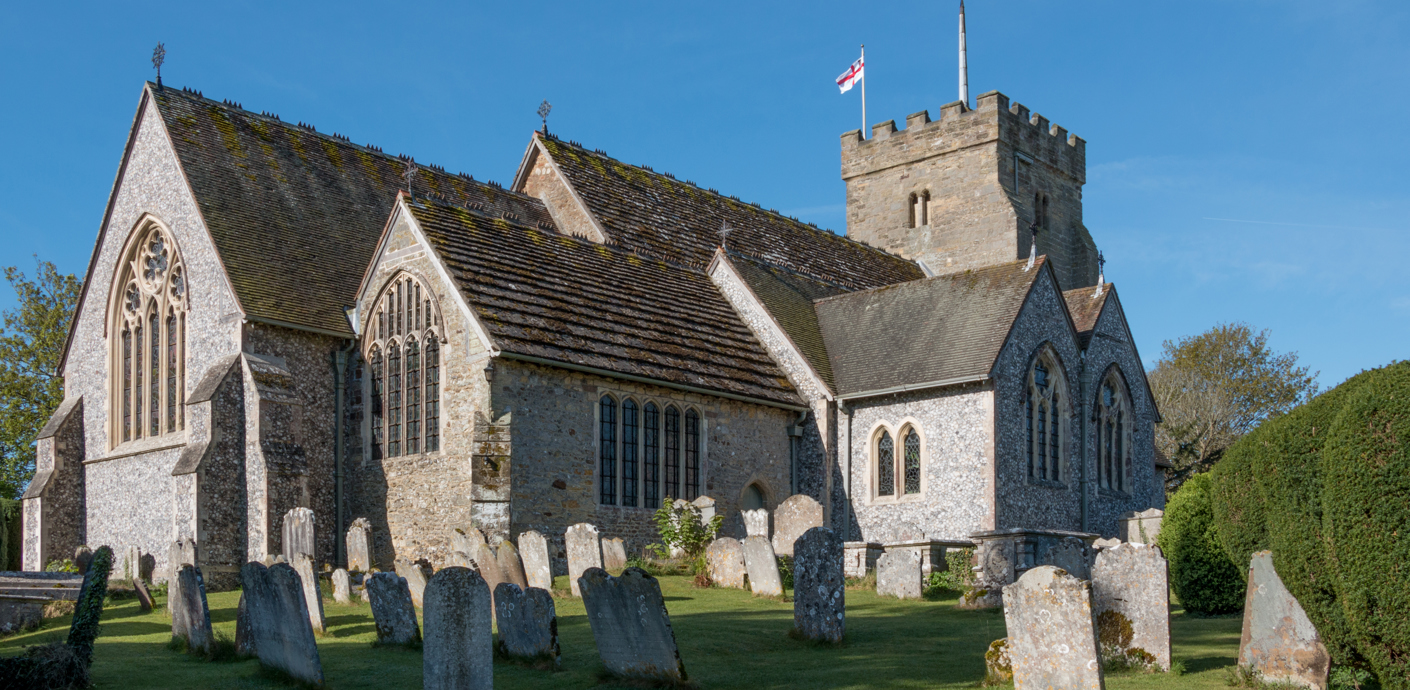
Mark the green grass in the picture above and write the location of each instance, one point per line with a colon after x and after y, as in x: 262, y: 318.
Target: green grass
x: 728, y: 639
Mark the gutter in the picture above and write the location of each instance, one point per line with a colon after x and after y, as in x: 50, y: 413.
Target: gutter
x: 913, y: 387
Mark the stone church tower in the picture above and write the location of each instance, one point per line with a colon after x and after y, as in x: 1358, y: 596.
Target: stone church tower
x: 965, y: 190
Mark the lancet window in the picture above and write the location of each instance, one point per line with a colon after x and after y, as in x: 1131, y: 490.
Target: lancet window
x: 1113, y: 434
x: 898, y: 462
x: 147, y: 332
x: 1045, y: 418
x: 647, y: 452
x: 402, y: 349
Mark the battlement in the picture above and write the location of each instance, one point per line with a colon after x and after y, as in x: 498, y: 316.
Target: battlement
x: 995, y: 121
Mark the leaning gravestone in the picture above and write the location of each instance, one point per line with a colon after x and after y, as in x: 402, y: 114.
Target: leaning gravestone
x: 584, y: 552
x: 277, y: 621
x: 88, y: 610
x: 392, y: 611
x: 1278, y: 639
x: 297, y: 533
x: 756, y: 523
x: 190, y: 615
x: 796, y: 515
x: 359, y: 546
x: 342, y: 587
x: 510, y: 567
x: 244, y: 640
x: 415, y: 579
x: 527, y: 622
x: 1131, y: 596
x: 466, y: 541
x: 489, y: 567
x: 725, y: 558
x: 144, y: 598
x: 614, y: 554
x: 313, y: 594
x: 1051, y: 641
x: 819, y: 597
x: 533, y: 550
x: 762, y: 566
x: 631, y: 625
x: 182, y: 552
x: 898, y: 574
x: 457, y: 651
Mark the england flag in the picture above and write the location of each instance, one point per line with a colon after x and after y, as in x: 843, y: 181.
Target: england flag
x: 850, y: 77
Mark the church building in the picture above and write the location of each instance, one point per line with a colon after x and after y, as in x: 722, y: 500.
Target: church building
x: 275, y: 317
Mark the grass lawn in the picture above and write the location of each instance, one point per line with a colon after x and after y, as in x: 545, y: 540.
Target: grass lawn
x: 728, y: 639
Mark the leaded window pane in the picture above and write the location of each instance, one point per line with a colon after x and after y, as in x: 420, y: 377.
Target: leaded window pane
x: 629, y: 453
x: 607, y: 451
x: 651, y: 455
x: 171, y: 396
x: 137, y: 389
x: 1055, y: 442
x: 378, y: 387
x: 692, y: 455
x: 413, y: 397
x: 885, y: 465
x: 393, y: 400
x: 154, y: 375
x: 673, y: 452
x: 912, y: 462
x: 1042, y: 440
x: 126, y: 385
x: 433, y: 394
x: 1119, y: 457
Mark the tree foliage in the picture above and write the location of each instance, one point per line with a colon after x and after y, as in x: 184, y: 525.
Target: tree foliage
x: 681, y: 526
x: 1214, y: 387
x: 1201, y: 574
x: 31, y: 343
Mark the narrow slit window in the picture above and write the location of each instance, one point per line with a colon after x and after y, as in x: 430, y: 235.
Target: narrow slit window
x: 607, y: 451
x: 629, y: 453
x: 692, y: 455
x: 912, y: 462
x: 651, y: 455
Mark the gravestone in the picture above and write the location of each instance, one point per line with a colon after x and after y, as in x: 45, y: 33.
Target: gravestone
x: 898, y: 574
x: 342, y: 587
x: 359, y: 546
x: 584, y: 552
x: 144, y: 598
x: 182, y: 552
x: 756, y: 523
x: 1278, y: 639
x: 244, y: 641
x: 190, y: 614
x: 392, y: 610
x: 1131, y: 596
x: 1051, y: 642
x: 1070, y: 554
x: 631, y: 625
x: 905, y: 532
x: 277, y: 621
x: 706, y: 506
x: 1106, y: 543
x: 819, y: 588
x: 297, y: 533
x: 510, y: 567
x: 996, y: 569
x: 82, y: 557
x: 725, y: 558
x: 1142, y: 527
x: 415, y: 579
x: 614, y: 554
x: 466, y: 541
x: 998, y: 670
x: 489, y: 567
x: 457, y: 651
x: 762, y: 567
x: 533, y: 550
x: 462, y: 560
x: 527, y: 622
x: 796, y: 515
x: 313, y: 594
x: 131, y: 563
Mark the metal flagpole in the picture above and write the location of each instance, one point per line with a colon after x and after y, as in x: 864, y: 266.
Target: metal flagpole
x: 864, y: 90
x: 964, y: 62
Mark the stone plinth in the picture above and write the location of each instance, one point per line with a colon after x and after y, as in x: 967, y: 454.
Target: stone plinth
x: 584, y: 551
x: 762, y: 566
x: 1052, y: 642
x: 392, y: 609
x: 1131, y: 588
x: 1278, y: 641
x: 931, y: 551
x: 527, y: 622
x: 898, y: 574
x: 725, y: 559
x: 631, y: 626
x: 457, y: 652
x: 819, y: 588
x: 533, y: 551
x: 1005, y: 555
x: 359, y: 546
x: 859, y: 557
x: 796, y: 515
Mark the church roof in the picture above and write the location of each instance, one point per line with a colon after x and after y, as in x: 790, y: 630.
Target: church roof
x: 563, y: 299
x: 663, y: 216
x: 296, y: 215
x: 945, y: 329
x: 789, y: 297
x: 1085, y: 309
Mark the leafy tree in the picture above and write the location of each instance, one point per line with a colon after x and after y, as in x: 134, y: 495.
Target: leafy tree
x: 1214, y: 387
x: 682, y: 526
x: 31, y: 342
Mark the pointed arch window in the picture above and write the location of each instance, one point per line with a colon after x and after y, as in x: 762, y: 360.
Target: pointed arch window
x: 885, y: 465
x: 1113, y: 434
x: 147, y: 336
x: 692, y: 455
x: 673, y: 452
x: 648, y: 452
x: 1045, y: 418
x: 607, y: 450
x: 403, y: 350
x: 629, y: 452
x: 651, y: 455
x: 911, y: 482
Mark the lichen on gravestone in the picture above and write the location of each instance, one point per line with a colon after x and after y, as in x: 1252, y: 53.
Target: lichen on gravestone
x: 393, y: 614
x: 631, y: 625
x: 819, y: 586
x: 527, y: 622
x: 457, y: 650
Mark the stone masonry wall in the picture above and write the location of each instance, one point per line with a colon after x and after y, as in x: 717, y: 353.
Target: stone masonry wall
x: 53, y: 513
x: 222, y: 508
x: 545, y: 183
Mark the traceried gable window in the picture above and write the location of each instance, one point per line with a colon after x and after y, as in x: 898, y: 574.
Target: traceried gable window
x: 897, y: 463
x: 147, y: 339
x: 1113, y: 434
x: 402, y: 348
x: 1045, y: 418
x: 648, y: 451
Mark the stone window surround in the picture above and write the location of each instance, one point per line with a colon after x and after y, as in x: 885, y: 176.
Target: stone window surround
x: 898, y: 432
x: 919, y: 205
x: 373, y: 339
x: 1058, y: 384
x: 167, y: 299
x: 1114, y: 376
x: 641, y: 401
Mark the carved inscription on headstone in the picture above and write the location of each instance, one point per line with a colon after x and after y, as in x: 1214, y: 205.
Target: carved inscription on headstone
x: 457, y: 650
x: 297, y: 533
x: 527, y: 622
x: 277, y: 621
x: 392, y: 610
x: 631, y: 626
x: 819, y: 589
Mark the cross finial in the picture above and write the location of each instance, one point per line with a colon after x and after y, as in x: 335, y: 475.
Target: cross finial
x: 544, y: 109
x: 1101, y: 275
x: 725, y: 230
x: 1033, y: 229
x: 410, y: 176
x: 159, y: 57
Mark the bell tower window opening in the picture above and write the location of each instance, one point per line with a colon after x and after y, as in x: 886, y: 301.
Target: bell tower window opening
x: 402, y: 347
x: 924, y: 206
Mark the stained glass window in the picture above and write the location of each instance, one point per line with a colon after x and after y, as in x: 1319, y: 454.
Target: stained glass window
x: 433, y: 394
x: 148, y: 368
x: 394, y: 399
x: 406, y: 328
x: 885, y: 465
x: 912, y: 462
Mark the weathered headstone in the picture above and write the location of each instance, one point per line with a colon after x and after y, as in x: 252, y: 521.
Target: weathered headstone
x: 415, y: 579
x: 457, y: 651
x: 533, y: 550
x: 819, y: 587
x: 614, y: 554
x: 762, y: 566
x: 132, y: 563
x: 144, y: 598
x: 277, y: 621
x: 342, y: 587
x: 182, y: 552
x: 467, y: 540
x: 392, y: 610
x: 998, y: 670
x: 1051, y: 641
x: 584, y: 552
x: 82, y: 556
x: 898, y: 574
x: 756, y: 522
x: 725, y: 559
x: 527, y: 622
x: 1106, y: 543
x: 297, y: 533
x: 190, y: 614
x: 706, y: 506
x: 510, y: 567
x: 796, y: 515
x: 313, y: 594
x: 244, y: 639
x: 1278, y: 641
x: 462, y: 560
x: 359, y: 546
x: 631, y: 625
x: 903, y: 532
x: 489, y: 567
x: 1131, y: 592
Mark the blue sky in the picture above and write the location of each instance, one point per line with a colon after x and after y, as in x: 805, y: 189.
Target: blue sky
x: 1244, y: 158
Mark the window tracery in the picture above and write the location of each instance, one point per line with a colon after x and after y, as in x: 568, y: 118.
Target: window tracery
x: 1113, y: 434
x: 402, y: 349
x: 1045, y: 416
x: 147, y: 333
x: 666, y: 443
x: 899, y: 462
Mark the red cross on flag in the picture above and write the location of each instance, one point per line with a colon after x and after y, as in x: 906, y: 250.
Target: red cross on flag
x: 851, y: 76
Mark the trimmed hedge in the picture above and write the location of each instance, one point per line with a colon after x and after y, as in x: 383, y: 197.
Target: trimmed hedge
x: 1201, y: 574
x: 11, y: 533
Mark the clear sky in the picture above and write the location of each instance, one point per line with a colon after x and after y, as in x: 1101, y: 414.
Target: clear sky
x: 1245, y: 159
